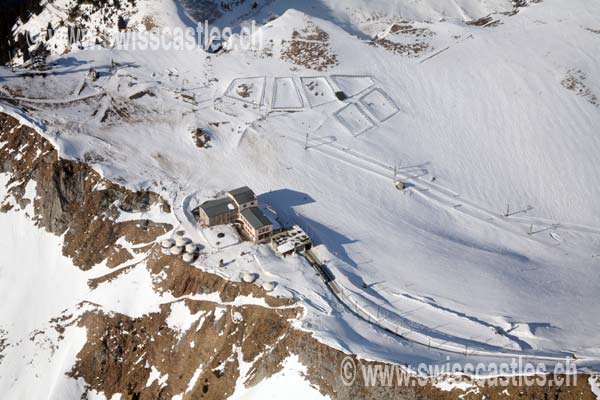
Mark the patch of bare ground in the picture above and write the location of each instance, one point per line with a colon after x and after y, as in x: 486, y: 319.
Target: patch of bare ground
x: 404, y: 39
x: 243, y: 90
x: 95, y: 282
x: 406, y: 28
x: 201, y: 138
x: 524, y: 3
x: 3, y: 343
x: 149, y: 23
x: 118, y: 256
x: 489, y: 21
x: 141, y: 94
x: 407, y: 50
x: 180, y: 279
x: 485, y: 22
x: 575, y: 82
x: 309, y: 48
x: 72, y: 199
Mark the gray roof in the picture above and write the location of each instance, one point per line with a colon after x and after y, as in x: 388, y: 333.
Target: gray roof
x: 256, y: 218
x: 242, y: 195
x: 212, y: 208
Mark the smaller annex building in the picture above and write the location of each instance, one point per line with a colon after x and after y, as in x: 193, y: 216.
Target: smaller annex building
x: 291, y: 241
x: 238, y: 206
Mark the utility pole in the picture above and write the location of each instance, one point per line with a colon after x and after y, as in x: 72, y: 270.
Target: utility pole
x: 507, y: 210
x: 397, y: 183
x: 306, y: 142
x: 12, y: 67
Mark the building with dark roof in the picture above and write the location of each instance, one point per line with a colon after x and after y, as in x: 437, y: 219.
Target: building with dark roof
x: 244, y: 197
x: 255, y: 224
x: 217, y: 212
x: 240, y: 206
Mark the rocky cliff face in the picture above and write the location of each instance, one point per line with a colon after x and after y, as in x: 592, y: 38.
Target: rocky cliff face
x: 228, y: 341
x: 72, y: 199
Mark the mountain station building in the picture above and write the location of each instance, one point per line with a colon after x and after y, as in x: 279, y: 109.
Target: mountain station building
x: 239, y: 206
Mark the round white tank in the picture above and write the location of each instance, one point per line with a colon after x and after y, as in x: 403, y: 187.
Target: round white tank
x: 165, y: 251
x: 268, y: 286
x: 189, y: 257
x: 181, y: 241
x: 167, y: 243
x: 249, y: 278
x: 177, y: 250
x: 191, y: 248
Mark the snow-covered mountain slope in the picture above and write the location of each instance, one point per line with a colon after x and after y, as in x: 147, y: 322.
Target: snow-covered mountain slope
x: 357, y: 16
x: 465, y: 119
x: 71, y: 25
x: 66, y: 26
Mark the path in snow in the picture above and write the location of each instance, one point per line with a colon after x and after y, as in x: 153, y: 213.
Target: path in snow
x: 441, y: 195
x: 408, y: 332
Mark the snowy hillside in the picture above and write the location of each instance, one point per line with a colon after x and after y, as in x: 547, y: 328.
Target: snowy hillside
x: 443, y: 157
x: 72, y: 25
x: 66, y: 26
x: 357, y: 16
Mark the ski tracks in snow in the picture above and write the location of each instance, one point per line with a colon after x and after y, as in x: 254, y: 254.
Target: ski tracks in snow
x: 438, y: 194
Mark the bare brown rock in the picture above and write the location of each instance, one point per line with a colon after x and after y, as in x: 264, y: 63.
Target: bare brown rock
x: 72, y: 199
x: 181, y: 279
x: 405, y: 39
x: 310, y: 48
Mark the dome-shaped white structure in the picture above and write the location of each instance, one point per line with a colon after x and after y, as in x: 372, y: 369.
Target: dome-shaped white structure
x: 181, y: 241
x: 167, y: 243
x: 177, y: 250
x: 249, y: 278
x: 191, y: 248
x: 189, y: 257
x: 269, y: 286
x: 165, y: 251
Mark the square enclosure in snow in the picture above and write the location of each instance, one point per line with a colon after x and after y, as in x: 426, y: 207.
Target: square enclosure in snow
x: 379, y: 104
x: 286, y: 94
x: 248, y: 90
x: 354, y: 119
x: 318, y: 90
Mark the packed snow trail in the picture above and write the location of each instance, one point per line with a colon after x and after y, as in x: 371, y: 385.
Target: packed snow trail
x: 407, y: 333
x: 436, y: 193
x: 51, y: 101
x: 419, y: 188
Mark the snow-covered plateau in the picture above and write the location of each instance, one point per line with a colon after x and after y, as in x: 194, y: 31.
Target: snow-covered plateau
x: 443, y: 156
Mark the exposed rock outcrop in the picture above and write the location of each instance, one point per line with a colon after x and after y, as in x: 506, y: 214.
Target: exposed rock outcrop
x: 71, y: 198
